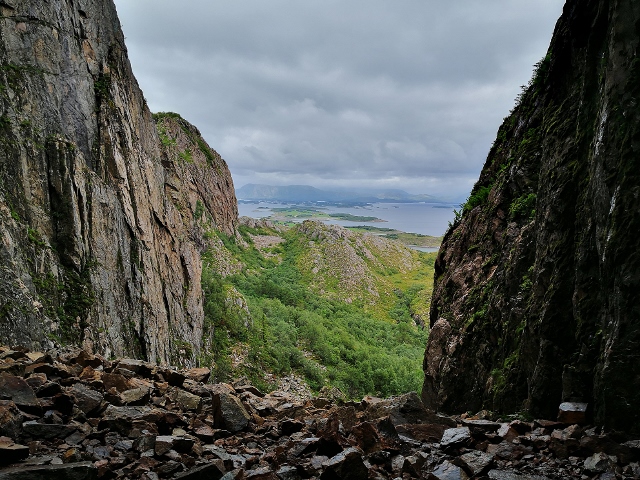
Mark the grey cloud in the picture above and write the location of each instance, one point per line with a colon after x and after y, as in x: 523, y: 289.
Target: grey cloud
x: 406, y: 94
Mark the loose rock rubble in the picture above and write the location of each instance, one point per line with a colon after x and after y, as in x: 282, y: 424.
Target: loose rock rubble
x: 73, y: 415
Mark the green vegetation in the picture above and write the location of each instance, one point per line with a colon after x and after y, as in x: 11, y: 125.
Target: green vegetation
x: 102, y: 86
x: 289, y: 213
x: 166, y: 140
x: 185, y: 156
x: 409, y: 239
x: 211, y: 160
x: 197, y: 214
x: 187, y: 130
x: 523, y: 207
x: 478, y: 197
x: 69, y: 298
x: 368, y: 345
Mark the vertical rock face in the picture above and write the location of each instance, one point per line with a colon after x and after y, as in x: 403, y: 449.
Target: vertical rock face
x: 536, y: 295
x: 102, y: 212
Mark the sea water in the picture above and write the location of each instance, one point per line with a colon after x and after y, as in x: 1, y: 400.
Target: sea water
x: 424, y: 218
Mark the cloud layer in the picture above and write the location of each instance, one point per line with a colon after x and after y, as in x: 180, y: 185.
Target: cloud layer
x: 404, y: 94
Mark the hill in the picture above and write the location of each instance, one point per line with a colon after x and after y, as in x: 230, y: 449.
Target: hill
x: 307, y: 193
x: 338, y: 308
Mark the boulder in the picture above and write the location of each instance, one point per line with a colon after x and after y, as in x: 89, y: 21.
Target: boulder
x: 86, y: 399
x: 481, y: 426
x: 198, y: 374
x: 571, y: 412
x: 229, y: 412
x: 599, y: 462
x: 447, y: 471
x: 476, y: 462
x: 11, y: 452
x: 185, y: 400
x: 135, y: 396
x: 115, y: 380
x: 47, y: 431
x: 347, y: 465
x: 455, y: 437
x: 19, y: 391
x: 11, y: 419
x: 424, y: 432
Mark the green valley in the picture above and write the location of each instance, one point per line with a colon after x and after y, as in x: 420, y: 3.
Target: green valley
x: 341, y: 309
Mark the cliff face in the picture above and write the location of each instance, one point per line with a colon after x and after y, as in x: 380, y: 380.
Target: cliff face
x: 102, y: 212
x: 536, y: 294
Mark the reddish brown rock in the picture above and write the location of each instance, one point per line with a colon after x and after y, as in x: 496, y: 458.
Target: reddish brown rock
x: 572, y: 413
x: 424, y: 432
x: 19, y: 391
x: 198, y: 374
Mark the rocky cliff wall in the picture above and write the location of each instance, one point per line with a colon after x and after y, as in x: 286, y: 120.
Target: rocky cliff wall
x: 536, y: 293
x: 102, y: 212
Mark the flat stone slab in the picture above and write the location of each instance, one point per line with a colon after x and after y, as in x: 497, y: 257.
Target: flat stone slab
x: 477, y: 462
x: 481, y: 425
x: 509, y: 475
x: 70, y: 471
x: 455, y: 436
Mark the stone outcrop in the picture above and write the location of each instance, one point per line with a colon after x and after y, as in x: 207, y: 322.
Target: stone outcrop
x: 102, y: 212
x: 78, y: 416
x: 536, y: 293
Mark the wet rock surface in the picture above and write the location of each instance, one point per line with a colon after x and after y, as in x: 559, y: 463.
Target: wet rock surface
x: 535, y: 298
x: 73, y: 422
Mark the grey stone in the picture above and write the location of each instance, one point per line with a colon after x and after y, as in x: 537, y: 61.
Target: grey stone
x: 511, y: 475
x: 186, y: 400
x: 448, y: 471
x: 135, y: 396
x: 263, y: 473
x: 210, y: 471
x: 304, y: 446
x: 481, y: 425
x: 237, y: 474
x: 347, y: 465
x: 287, y: 472
x: 598, y: 462
x: 230, y: 413
x: 455, y: 436
x: 19, y: 391
x: 120, y: 418
x: 476, y: 462
x: 165, y: 443
x: 47, y: 431
x: 145, y: 442
x: 70, y: 471
x: 87, y: 399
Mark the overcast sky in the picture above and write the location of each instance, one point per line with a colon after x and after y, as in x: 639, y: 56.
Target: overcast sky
x: 402, y: 94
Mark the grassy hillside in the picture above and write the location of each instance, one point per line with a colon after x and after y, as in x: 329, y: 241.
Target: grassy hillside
x: 338, y: 308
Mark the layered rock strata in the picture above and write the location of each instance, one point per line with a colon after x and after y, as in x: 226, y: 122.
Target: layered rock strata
x: 536, y: 293
x: 102, y: 212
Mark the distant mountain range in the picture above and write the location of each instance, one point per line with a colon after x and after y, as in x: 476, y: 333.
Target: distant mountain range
x: 307, y: 193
